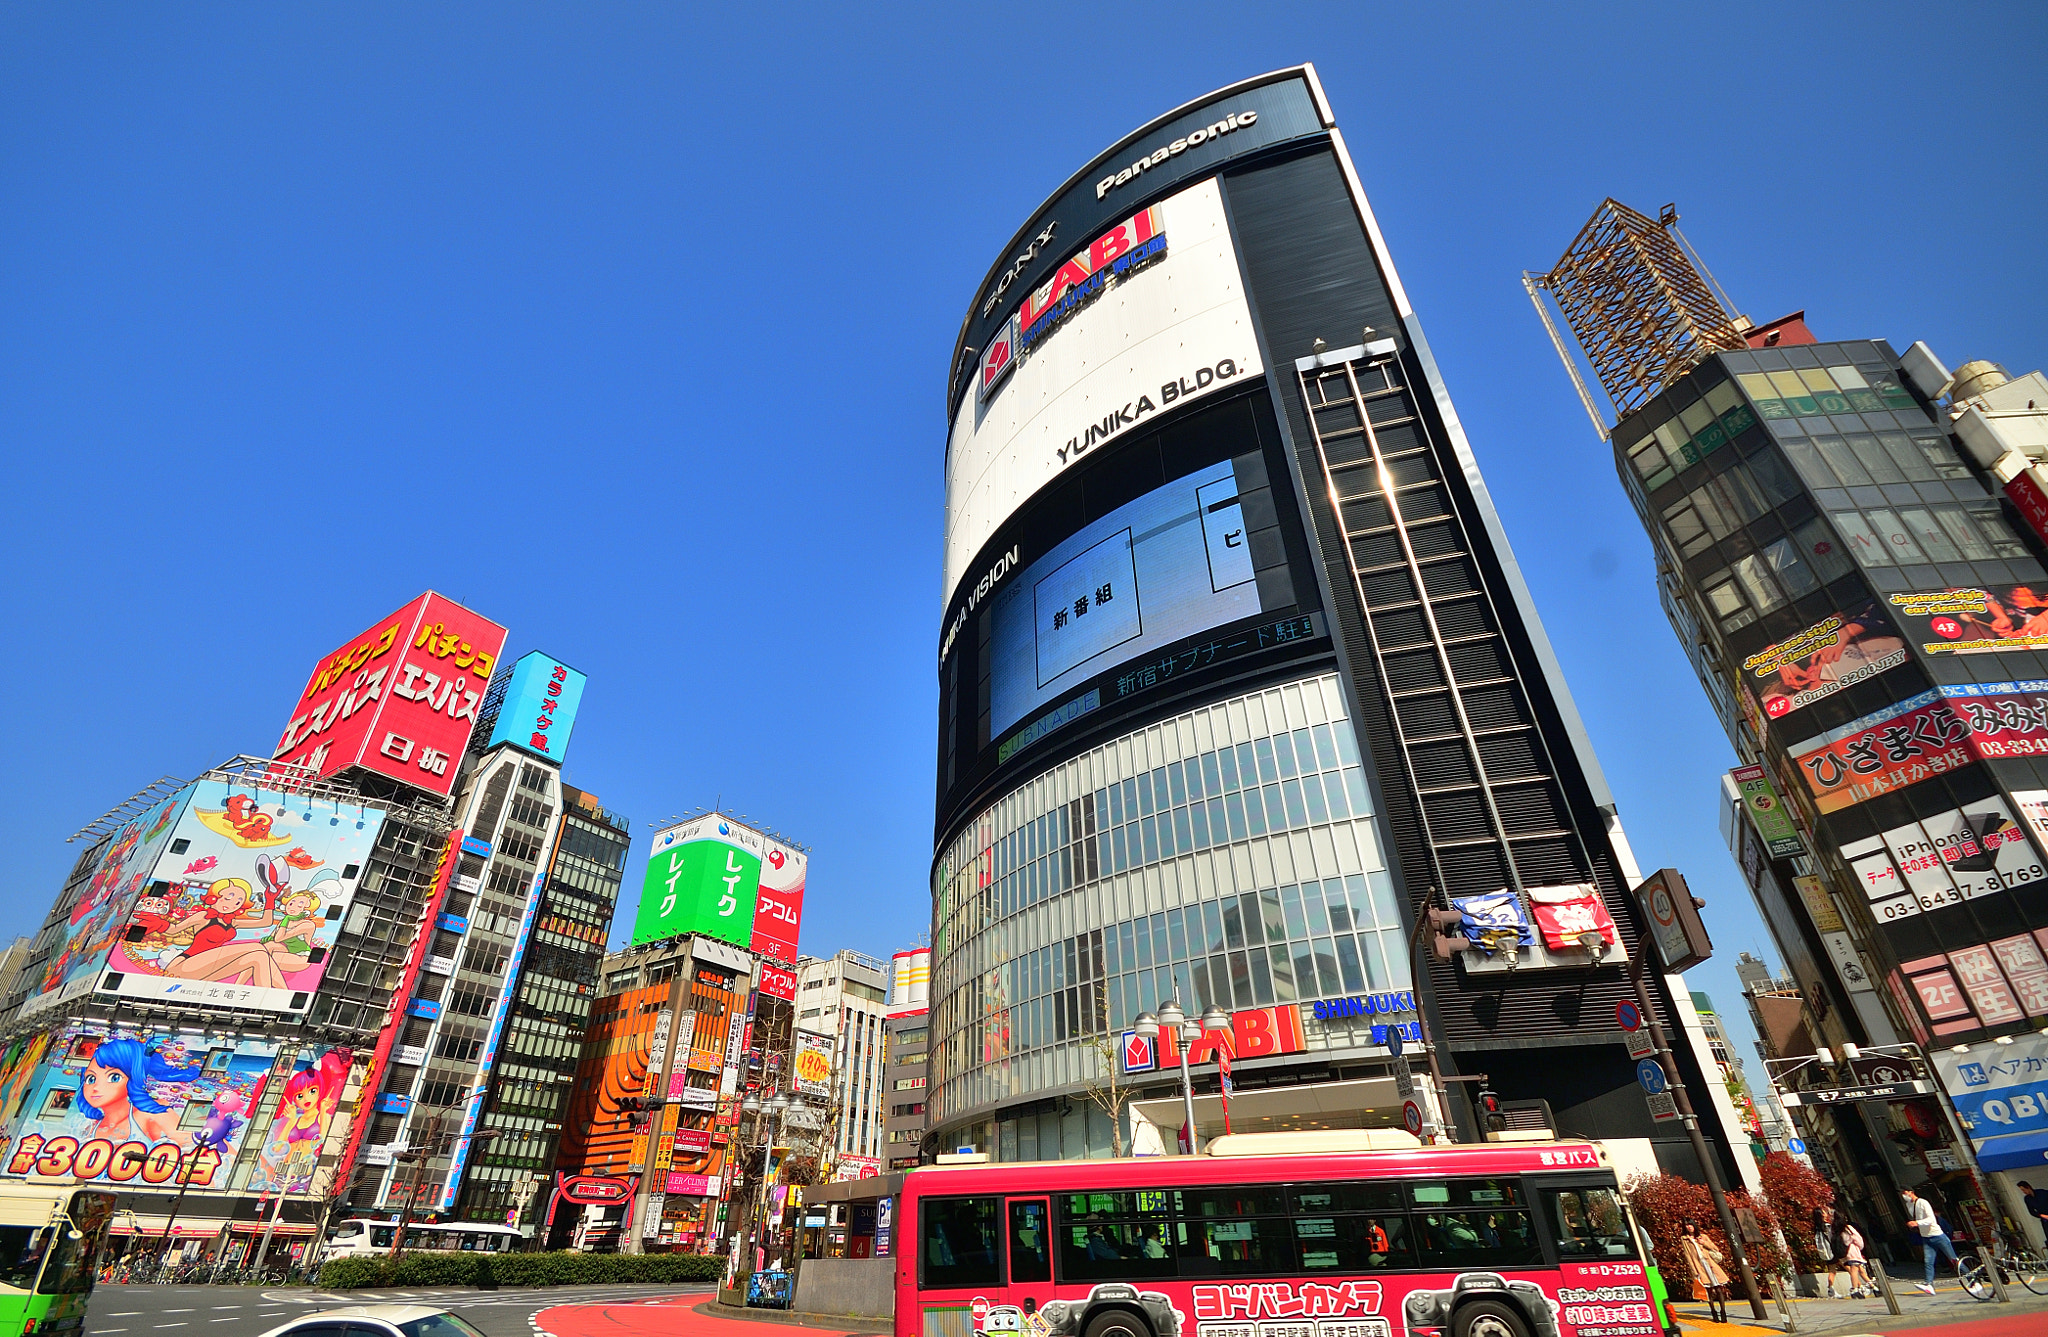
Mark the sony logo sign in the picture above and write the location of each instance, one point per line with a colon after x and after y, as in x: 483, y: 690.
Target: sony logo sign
x: 1235, y: 121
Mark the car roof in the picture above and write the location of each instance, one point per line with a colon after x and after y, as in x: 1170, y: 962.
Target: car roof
x: 390, y: 1313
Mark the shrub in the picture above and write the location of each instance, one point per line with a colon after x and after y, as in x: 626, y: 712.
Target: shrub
x: 443, y: 1268
x: 1665, y: 1203
x: 1795, y: 1192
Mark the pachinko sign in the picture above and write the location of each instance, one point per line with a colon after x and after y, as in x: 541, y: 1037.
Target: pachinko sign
x: 400, y: 699
x: 120, y: 1107
x: 103, y: 907
x: 245, y: 903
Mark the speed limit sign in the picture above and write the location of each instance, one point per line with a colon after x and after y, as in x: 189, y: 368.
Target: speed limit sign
x: 1411, y: 1115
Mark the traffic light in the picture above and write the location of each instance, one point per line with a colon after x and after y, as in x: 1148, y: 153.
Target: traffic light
x: 1490, y: 1112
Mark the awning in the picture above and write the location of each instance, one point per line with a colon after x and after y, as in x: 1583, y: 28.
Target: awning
x: 1369, y: 1102
x: 199, y: 1227
x: 2014, y: 1151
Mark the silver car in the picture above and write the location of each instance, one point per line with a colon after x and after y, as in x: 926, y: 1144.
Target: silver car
x: 389, y: 1320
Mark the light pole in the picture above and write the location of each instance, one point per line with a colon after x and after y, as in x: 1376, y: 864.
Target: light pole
x: 1185, y: 1031
x: 773, y: 1107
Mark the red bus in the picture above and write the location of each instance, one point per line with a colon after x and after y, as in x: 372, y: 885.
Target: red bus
x: 1324, y: 1234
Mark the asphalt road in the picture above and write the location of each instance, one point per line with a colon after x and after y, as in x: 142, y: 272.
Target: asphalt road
x: 246, y: 1311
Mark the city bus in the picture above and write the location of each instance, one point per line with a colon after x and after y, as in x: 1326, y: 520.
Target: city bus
x: 1346, y: 1233
x: 50, y: 1242
x: 374, y: 1237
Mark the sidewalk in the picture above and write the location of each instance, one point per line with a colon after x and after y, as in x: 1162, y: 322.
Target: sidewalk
x: 1832, y: 1318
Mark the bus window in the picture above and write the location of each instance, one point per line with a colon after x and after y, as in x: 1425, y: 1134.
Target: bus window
x: 1094, y: 1250
x: 1480, y: 1193
x: 1587, y: 1223
x: 1251, y: 1245
x: 1250, y: 1200
x: 1462, y: 1241
x: 1353, y: 1243
x: 1348, y: 1198
x: 1030, y: 1246
x: 382, y: 1236
x: 958, y: 1240
x: 69, y: 1270
x: 21, y: 1255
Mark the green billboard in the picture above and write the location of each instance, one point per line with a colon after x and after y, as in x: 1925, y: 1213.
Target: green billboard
x: 702, y: 877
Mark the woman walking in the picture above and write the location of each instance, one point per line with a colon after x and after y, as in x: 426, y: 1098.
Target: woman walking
x: 1709, y: 1270
x: 1851, y: 1240
x: 1824, y: 1226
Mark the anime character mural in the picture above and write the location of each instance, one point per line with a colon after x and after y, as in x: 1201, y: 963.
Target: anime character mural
x: 104, y: 905
x: 305, y: 1113
x: 244, y: 924
x: 124, y: 1107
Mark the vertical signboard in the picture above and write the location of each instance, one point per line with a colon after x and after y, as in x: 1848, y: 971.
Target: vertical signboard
x: 539, y: 710
x: 779, y: 903
x: 813, y: 1065
x: 1773, y: 821
x: 400, y: 699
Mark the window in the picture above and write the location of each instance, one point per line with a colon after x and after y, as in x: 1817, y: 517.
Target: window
x: 958, y: 1241
x: 1587, y: 1223
x: 21, y: 1255
x: 1353, y: 1243
x: 1462, y: 1224
x: 1030, y: 1245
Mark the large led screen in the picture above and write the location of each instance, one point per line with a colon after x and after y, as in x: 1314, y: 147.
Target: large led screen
x: 1168, y: 565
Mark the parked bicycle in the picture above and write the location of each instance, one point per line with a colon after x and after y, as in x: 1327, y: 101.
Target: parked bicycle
x: 2025, y: 1267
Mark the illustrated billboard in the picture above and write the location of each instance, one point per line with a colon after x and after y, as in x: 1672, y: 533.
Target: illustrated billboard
x: 717, y: 877
x: 539, y: 710
x: 105, y: 904
x: 1830, y: 656
x: 1976, y: 621
x: 244, y: 904
x: 149, y: 1107
x: 400, y: 699
x: 813, y: 1066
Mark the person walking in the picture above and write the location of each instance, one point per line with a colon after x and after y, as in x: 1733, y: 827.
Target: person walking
x: 1709, y: 1270
x: 1933, y: 1239
x: 1851, y: 1240
x: 1824, y: 1247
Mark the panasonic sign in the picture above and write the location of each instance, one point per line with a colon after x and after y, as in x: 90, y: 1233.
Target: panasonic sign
x: 1237, y: 120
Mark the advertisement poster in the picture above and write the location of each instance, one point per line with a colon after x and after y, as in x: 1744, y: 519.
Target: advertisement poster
x: 703, y: 876
x: 813, y: 1064
x: 400, y: 699
x: 245, y: 910
x: 1975, y: 622
x: 300, y: 1125
x: 104, y: 906
x: 1837, y: 652
x: 1924, y: 735
x: 150, y: 1107
x: 1944, y: 860
x: 1767, y: 811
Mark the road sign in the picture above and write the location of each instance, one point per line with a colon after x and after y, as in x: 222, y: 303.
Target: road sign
x: 1628, y: 1016
x: 1394, y: 1043
x: 1651, y: 1074
x: 1640, y: 1044
x: 1411, y: 1115
x: 1404, y: 1085
x: 1797, y: 1146
x: 1662, y: 1106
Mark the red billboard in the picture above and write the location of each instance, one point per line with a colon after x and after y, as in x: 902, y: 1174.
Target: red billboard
x: 400, y: 699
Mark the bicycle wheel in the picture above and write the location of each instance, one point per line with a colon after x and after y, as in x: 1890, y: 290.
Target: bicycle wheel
x: 1976, y: 1278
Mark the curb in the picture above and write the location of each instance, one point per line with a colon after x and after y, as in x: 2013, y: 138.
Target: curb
x: 853, y: 1325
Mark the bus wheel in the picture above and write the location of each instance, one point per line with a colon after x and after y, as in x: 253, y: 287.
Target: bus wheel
x: 1118, y: 1323
x: 1484, y: 1318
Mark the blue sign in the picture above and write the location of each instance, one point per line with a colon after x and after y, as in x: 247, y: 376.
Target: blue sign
x: 1394, y: 1045
x: 1651, y: 1074
x: 425, y: 1007
x: 1797, y: 1146
x: 1364, y: 1005
x: 480, y: 848
x: 391, y: 1102
x: 1140, y: 1053
x: 1628, y: 1016
x: 454, y: 923
x: 540, y: 706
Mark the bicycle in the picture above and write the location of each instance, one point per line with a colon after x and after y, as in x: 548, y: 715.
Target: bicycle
x: 2025, y: 1267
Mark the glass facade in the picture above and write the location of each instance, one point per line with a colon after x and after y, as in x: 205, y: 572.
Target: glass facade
x: 1225, y: 856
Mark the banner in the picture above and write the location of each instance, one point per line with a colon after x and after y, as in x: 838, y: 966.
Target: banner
x: 1765, y: 808
x: 1943, y: 860
x: 304, y: 1115
x: 1837, y: 652
x: 1975, y: 622
x: 1925, y: 735
x: 813, y: 1065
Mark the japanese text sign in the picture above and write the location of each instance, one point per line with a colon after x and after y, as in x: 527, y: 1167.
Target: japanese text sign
x: 400, y: 699
x: 1925, y: 735
x: 539, y: 709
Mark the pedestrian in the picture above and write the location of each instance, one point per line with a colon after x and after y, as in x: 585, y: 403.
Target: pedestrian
x: 1852, y: 1258
x: 1709, y: 1270
x: 1933, y: 1239
x: 2037, y: 1206
x: 1824, y: 1247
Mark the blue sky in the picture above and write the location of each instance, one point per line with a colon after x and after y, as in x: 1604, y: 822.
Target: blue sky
x: 628, y: 327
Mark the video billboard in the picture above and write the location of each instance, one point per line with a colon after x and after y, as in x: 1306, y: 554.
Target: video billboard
x: 104, y: 906
x: 539, y: 710
x: 245, y: 903
x: 152, y: 1106
x: 400, y: 699
x: 1109, y: 349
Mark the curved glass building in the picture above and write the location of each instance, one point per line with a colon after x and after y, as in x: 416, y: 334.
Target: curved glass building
x: 1238, y: 679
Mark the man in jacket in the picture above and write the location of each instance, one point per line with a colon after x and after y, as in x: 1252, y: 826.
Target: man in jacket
x: 1933, y: 1240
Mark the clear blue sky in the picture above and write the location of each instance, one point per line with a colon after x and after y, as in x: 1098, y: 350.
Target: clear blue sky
x: 629, y: 328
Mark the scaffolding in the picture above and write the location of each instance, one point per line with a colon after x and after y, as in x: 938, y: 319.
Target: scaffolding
x: 1643, y: 308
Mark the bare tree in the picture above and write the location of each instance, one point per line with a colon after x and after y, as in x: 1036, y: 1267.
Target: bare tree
x: 1109, y: 1093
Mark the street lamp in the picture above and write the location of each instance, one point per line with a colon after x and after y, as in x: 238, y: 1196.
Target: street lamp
x: 774, y: 1107
x: 1186, y: 1031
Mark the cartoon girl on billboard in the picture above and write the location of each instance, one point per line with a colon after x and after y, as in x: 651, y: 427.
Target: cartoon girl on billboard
x: 114, y: 1092
x: 293, y: 1148
x: 223, y: 910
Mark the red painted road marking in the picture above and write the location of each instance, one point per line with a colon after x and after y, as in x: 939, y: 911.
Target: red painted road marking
x: 674, y: 1316
x: 2027, y: 1323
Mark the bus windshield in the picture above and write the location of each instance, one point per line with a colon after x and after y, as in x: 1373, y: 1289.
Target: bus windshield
x: 21, y: 1255
x: 75, y: 1255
